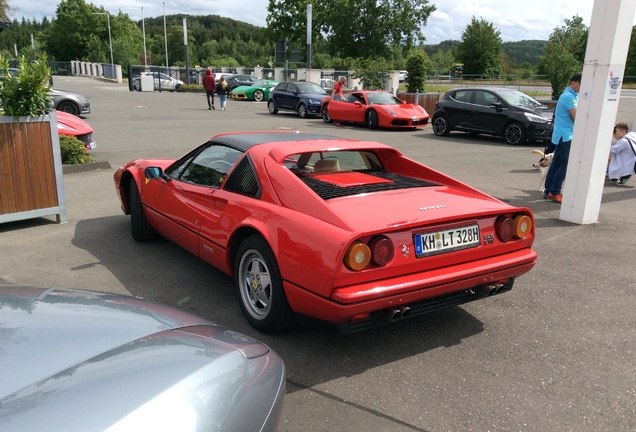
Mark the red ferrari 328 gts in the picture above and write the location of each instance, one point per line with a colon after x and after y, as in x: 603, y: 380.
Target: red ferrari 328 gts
x: 376, y: 109
x: 347, y: 232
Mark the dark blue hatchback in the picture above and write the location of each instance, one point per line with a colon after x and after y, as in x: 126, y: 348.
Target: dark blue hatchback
x: 304, y: 98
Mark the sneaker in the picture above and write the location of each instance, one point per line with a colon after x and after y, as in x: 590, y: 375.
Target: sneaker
x: 556, y: 198
x: 213, y: 107
x: 623, y: 180
x: 209, y: 108
x: 546, y: 195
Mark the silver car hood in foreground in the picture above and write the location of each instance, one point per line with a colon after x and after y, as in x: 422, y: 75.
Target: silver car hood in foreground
x: 84, y: 361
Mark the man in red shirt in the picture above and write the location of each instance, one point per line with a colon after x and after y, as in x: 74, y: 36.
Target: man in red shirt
x: 209, y: 84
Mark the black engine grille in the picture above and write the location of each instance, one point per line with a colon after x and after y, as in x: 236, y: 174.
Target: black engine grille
x: 327, y: 190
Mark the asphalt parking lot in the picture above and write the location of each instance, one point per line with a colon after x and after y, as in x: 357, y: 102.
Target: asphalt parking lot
x: 554, y: 354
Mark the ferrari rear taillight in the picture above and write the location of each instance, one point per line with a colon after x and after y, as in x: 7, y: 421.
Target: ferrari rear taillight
x: 504, y: 228
x: 523, y: 226
x: 357, y: 256
x: 508, y: 228
x: 382, y: 251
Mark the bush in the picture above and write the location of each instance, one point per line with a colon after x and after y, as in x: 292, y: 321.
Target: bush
x: 25, y: 94
x: 73, y: 151
x: 191, y: 88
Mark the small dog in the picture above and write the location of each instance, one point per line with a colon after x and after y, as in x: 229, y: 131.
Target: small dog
x: 543, y: 165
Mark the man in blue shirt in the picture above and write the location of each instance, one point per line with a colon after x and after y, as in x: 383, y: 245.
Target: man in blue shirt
x: 564, y: 116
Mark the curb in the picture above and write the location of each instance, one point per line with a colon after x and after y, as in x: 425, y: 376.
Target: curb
x: 89, y: 166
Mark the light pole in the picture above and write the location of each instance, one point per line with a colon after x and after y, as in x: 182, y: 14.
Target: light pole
x: 143, y: 26
x: 110, y: 40
x: 165, y: 33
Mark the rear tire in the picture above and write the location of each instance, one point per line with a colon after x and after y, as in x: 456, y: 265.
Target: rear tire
x: 325, y: 114
x: 260, y: 287
x: 441, y: 126
x: 258, y: 95
x: 271, y: 106
x: 372, y: 120
x: 515, y: 134
x: 140, y: 227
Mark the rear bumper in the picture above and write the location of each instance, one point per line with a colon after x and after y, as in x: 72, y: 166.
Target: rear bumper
x: 438, y: 288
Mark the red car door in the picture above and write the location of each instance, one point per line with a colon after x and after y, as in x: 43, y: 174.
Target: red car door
x: 177, y: 209
x: 348, y: 110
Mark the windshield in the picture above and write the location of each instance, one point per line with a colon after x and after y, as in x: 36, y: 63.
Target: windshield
x: 310, y: 88
x: 517, y: 98
x: 382, y: 98
x: 264, y: 83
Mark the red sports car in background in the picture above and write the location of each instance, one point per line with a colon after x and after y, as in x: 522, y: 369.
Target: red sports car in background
x: 376, y: 109
x: 313, y: 227
x: 70, y: 125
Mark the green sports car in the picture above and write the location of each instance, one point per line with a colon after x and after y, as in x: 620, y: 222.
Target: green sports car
x: 256, y: 92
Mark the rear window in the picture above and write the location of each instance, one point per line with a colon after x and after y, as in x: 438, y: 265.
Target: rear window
x: 334, y: 161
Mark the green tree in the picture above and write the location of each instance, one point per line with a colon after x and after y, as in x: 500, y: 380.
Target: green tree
x: 353, y: 29
x: 480, y: 49
x: 564, y: 54
x: 630, y: 65
x: 418, y: 64
x: 373, y: 72
x: 443, y: 61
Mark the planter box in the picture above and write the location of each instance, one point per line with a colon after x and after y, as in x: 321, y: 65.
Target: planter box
x: 31, y: 177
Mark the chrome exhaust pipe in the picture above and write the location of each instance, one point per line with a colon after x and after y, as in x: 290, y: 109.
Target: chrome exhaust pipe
x: 486, y: 290
x: 395, y: 314
x: 405, y: 311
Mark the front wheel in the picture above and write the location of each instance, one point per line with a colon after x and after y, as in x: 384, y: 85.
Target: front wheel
x: 440, y: 126
x: 271, y: 106
x: 258, y: 95
x: 515, y: 133
x: 325, y: 114
x: 372, y: 120
x: 68, y: 107
x: 260, y: 287
x: 302, y: 110
x: 140, y: 227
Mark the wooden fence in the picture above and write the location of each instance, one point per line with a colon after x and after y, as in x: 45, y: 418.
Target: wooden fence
x: 425, y: 100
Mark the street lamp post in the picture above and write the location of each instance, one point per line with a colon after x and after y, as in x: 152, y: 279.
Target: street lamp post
x: 165, y: 33
x: 110, y: 40
x: 143, y: 26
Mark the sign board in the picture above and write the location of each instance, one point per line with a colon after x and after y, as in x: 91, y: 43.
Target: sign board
x: 295, y: 56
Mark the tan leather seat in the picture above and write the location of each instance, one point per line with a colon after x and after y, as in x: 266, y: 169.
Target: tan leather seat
x: 327, y: 165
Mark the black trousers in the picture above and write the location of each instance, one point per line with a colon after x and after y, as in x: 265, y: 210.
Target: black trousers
x: 210, y: 96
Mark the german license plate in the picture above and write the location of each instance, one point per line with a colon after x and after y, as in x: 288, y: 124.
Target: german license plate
x: 438, y: 242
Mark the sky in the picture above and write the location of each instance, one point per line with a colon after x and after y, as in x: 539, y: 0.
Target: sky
x: 515, y: 19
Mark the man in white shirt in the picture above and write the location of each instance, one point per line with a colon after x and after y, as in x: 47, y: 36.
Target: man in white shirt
x: 622, y: 154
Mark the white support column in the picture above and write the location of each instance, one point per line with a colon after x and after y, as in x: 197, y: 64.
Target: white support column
x: 605, y: 57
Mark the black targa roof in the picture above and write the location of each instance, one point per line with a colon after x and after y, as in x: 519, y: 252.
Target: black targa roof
x: 243, y: 141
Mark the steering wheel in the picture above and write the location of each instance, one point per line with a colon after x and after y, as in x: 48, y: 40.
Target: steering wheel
x: 220, y: 165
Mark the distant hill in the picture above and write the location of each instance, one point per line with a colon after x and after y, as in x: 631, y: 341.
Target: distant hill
x: 518, y: 52
x: 524, y: 51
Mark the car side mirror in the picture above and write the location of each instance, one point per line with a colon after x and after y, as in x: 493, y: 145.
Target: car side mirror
x: 357, y: 104
x: 497, y: 105
x: 403, y: 102
x: 295, y: 92
x: 153, y: 173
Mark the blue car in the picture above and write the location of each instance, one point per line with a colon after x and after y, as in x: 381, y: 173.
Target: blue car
x: 304, y: 98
